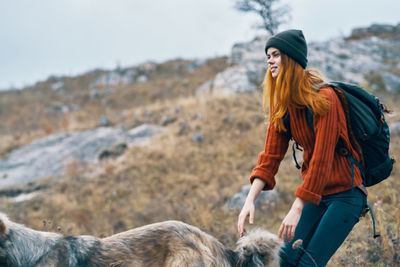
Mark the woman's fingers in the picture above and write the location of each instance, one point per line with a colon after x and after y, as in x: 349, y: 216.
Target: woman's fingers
x: 286, y: 232
x: 241, y: 221
x: 242, y: 232
x: 239, y: 226
x: 247, y: 210
x: 280, y: 232
x: 291, y: 235
x: 251, y: 217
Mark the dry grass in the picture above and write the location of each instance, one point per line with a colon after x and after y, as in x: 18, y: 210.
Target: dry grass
x: 177, y: 178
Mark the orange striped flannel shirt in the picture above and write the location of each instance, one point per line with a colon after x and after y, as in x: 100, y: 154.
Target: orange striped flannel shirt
x: 324, y: 171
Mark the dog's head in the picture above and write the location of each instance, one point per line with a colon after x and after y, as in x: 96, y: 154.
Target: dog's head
x: 259, y: 248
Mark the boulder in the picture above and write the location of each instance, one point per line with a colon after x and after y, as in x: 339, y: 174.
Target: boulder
x: 51, y: 155
x: 231, y: 81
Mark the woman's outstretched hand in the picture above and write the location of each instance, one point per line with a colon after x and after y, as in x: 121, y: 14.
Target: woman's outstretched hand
x: 248, y: 207
x: 247, y: 210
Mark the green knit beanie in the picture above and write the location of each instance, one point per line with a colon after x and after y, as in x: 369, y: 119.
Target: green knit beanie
x: 292, y: 43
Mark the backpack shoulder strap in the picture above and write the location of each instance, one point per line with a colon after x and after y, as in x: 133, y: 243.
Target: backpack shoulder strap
x: 286, y: 122
x: 295, y: 145
x: 310, y: 121
x: 310, y: 118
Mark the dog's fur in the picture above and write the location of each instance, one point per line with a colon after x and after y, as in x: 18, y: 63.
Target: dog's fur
x: 170, y: 243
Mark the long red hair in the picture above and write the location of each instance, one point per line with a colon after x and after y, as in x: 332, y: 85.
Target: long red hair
x: 294, y: 86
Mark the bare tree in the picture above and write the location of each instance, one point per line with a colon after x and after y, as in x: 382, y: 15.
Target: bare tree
x: 272, y: 15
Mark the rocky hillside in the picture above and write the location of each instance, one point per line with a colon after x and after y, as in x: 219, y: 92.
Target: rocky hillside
x: 106, y: 151
x: 369, y: 56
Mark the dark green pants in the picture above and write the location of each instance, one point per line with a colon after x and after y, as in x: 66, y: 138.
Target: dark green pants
x: 323, y: 228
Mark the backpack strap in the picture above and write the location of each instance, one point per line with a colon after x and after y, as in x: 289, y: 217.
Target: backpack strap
x: 342, y: 150
x: 373, y: 220
x: 295, y: 144
x: 286, y: 122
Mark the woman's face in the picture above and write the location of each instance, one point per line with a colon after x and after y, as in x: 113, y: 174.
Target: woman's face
x: 274, y: 61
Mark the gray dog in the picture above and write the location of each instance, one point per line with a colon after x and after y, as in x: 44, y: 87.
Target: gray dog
x: 170, y: 243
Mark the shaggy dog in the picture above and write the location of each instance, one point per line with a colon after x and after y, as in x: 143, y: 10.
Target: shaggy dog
x: 170, y: 243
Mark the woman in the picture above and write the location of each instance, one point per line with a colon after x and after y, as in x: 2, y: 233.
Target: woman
x: 326, y: 206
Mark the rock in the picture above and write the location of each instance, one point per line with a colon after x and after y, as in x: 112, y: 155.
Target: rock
x: 232, y: 80
x: 142, y: 79
x: 247, y: 72
x: 147, y: 66
x: 58, y: 86
x: 113, y: 152
x: 109, y: 91
x: 236, y: 202
x: 50, y: 156
x: 142, y: 134
x: 392, y: 81
x: 182, y: 128
x: 197, y: 137
x: 227, y: 119
x: 251, y: 56
x: 197, y: 116
x: 94, y: 94
x: 191, y: 67
x: 167, y: 120
x: 345, y: 60
x: 114, y: 78
x: 104, y: 121
x: 378, y: 30
x: 61, y: 108
x: 395, y: 129
x: 28, y: 188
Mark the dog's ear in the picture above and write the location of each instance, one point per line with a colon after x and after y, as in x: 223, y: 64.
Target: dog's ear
x: 3, y: 227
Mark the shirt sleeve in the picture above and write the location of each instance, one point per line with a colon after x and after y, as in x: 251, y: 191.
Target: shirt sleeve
x: 326, y: 137
x: 276, y: 145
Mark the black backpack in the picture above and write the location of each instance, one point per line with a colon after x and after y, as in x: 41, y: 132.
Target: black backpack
x: 368, y: 131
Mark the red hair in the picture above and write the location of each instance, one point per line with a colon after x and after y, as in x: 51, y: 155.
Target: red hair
x: 294, y: 86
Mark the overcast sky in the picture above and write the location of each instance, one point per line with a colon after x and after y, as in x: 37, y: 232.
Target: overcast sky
x: 67, y: 37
